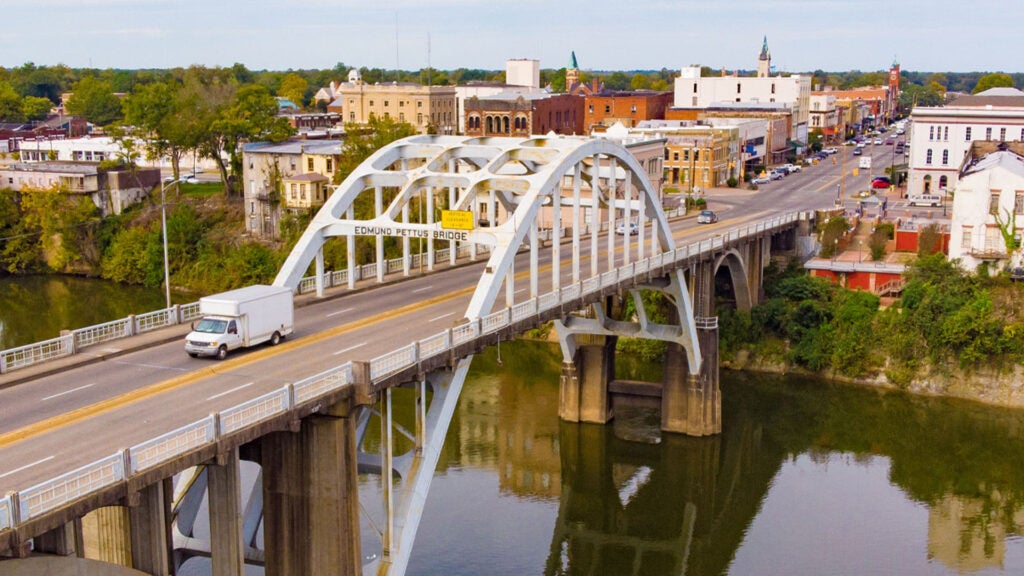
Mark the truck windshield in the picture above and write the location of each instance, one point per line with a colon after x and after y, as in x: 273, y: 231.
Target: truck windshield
x: 211, y: 326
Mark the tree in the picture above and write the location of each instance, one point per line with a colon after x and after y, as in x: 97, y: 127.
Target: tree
x: 640, y: 82
x: 94, y: 100
x: 250, y: 115
x: 35, y: 108
x: 164, y: 111
x: 10, y: 104
x: 293, y: 87
x: 993, y: 81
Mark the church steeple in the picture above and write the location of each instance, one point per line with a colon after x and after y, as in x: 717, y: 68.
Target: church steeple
x: 572, y: 61
x: 572, y: 73
x: 764, y: 60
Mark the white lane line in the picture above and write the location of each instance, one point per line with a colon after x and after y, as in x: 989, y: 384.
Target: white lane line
x: 441, y: 316
x: 424, y: 289
x: 339, y: 312
x: 349, y: 349
x: 68, y: 392
x: 226, y: 392
x: 520, y: 290
x: 25, y: 467
x: 144, y: 365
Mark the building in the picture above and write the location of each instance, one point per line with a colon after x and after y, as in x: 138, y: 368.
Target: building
x: 429, y: 109
x: 110, y: 190
x: 511, y: 114
x: 288, y: 176
x: 765, y: 146
x: 628, y: 108
x: 574, y: 82
x: 988, y: 206
x: 697, y: 156
x: 521, y: 77
x: 694, y: 92
x: 826, y: 118
x: 941, y: 136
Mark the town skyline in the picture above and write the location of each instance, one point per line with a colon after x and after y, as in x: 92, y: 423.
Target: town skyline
x: 803, y: 35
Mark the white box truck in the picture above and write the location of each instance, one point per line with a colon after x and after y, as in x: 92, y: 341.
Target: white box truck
x: 239, y: 319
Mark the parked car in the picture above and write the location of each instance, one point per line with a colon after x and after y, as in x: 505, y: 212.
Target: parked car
x: 776, y: 175
x: 792, y: 167
x: 624, y: 228
x: 760, y: 180
x: 707, y: 217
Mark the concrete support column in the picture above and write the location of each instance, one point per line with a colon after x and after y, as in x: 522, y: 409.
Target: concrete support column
x: 691, y: 404
x: 226, y: 546
x: 583, y: 395
x: 61, y: 541
x: 311, y: 498
x: 150, y: 534
x: 285, y: 505
x: 106, y: 535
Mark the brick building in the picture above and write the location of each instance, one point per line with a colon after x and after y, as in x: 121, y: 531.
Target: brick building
x: 524, y: 114
x: 628, y: 108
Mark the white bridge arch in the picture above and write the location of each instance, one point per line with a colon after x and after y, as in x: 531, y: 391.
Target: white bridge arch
x: 503, y: 183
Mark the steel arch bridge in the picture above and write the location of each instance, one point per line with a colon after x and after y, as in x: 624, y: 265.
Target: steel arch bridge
x: 511, y: 194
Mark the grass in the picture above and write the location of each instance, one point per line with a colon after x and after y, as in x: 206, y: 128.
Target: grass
x: 203, y: 189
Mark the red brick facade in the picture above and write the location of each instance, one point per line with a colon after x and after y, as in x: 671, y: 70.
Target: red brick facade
x: 558, y: 113
x: 629, y: 108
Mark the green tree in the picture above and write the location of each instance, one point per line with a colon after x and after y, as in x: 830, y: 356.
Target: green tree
x: 995, y: 80
x: 94, y: 100
x: 130, y: 257
x: 35, y: 108
x: 11, y: 109
x: 293, y: 87
x: 164, y: 111
x: 640, y: 82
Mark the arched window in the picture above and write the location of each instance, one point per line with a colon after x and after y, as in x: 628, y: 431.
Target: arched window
x: 928, y: 183
x: 505, y: 124
x: 942, y: 182
x: 490, y: 124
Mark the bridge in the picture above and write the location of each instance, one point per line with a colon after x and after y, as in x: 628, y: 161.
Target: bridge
x: 305, y: 417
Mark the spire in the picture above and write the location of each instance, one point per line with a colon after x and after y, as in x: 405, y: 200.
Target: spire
x: 765, y: 55
x: 572, y: 61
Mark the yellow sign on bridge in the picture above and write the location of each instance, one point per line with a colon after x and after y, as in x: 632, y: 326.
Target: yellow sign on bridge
x: 456, y: 220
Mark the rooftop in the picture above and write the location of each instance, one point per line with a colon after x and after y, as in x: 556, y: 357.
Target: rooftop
x: 1006, y: 159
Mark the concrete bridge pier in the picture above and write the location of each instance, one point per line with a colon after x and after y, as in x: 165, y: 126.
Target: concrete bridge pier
x: 106, y: 535
x: 311, y: 498
x: 149, y: 527
x: 225, y: 496
x: 64, y: 540
x: 584, y: 394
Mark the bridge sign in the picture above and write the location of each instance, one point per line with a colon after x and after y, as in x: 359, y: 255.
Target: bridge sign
x: 456, y: 220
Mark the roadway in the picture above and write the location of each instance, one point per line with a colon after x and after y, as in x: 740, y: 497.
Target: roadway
x: 60, y: 422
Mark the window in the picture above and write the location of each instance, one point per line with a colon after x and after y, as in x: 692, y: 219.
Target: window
x: 967, y: 134
x: 943, y: 182
x: 931, y: 132
x: 371, y: 102
x: 1002, y: 134
x: 945, y: 158
x: 928, y: 157
x: 675, y: 156
x: 632, y: 109
x: 385, y: 103
x: 988, y: 133
x: 993, y: 202
x: 965, y: 242
x: 330, y: 165
x: 694, y: 87
x: 686, y: 155
x: 607, y: 109
x: 419, y: 103
x: 401, y: 103
x: 293, y: 188
x: 352, y: 116
x: 590, y: 108
x: 309, y: 165
x: 401, y: 116
x: 773, y: 87
x: 419, y: 119
x: 1022, y: 134
x: 945, y: 134
x: 1018, y: 203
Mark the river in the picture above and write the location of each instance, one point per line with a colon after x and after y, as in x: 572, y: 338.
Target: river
x: 807, y: 477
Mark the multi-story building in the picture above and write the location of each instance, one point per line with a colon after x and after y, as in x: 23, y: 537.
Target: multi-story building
x: 429, y: 109
x: 511, y: 114
x: 521, y: 77
x: 989, y: 202
x: 697, y: 156
x: 628, y: 108
x: 110, y: 190
x: 825, y: 117
x: 941, y: 136
x: 767, y: 146
x: 694, y: 92
x: 288, y: 176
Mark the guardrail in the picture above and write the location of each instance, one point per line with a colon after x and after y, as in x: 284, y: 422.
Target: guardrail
x: 18, y: 507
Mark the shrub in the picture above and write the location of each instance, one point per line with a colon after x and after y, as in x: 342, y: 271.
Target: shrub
x: 732, y: 182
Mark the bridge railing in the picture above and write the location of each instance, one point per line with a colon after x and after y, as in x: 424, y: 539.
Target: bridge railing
x: 18, y: 507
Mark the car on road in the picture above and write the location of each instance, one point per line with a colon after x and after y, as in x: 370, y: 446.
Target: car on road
x: 830, y: 150
x: 624, y: 228
x: 878, y: 140
x: 760, y: 180
x: 925, y: 200
x: 881, y: 182
x: 858, y: 151
x: 776, y: 175
x: 707, y: 217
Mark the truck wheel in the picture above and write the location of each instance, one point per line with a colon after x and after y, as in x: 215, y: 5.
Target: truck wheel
x: 193, y: 354
x: 275, y: 339
x: 222, y: 352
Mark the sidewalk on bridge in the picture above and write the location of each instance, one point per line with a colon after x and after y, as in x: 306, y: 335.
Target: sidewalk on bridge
x: 120, y: 347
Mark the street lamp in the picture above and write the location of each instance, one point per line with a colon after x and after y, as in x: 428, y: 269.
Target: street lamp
x: 163, y: 232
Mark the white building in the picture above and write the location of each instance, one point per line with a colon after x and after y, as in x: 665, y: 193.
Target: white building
x: 941, y: 136
x: 694, y: 92
x: 824, y: 115
x: 98, y: 149
x: 522, y: 72
x: 989, y: 199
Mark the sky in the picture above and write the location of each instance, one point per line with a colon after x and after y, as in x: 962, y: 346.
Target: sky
x: 803, y: 35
